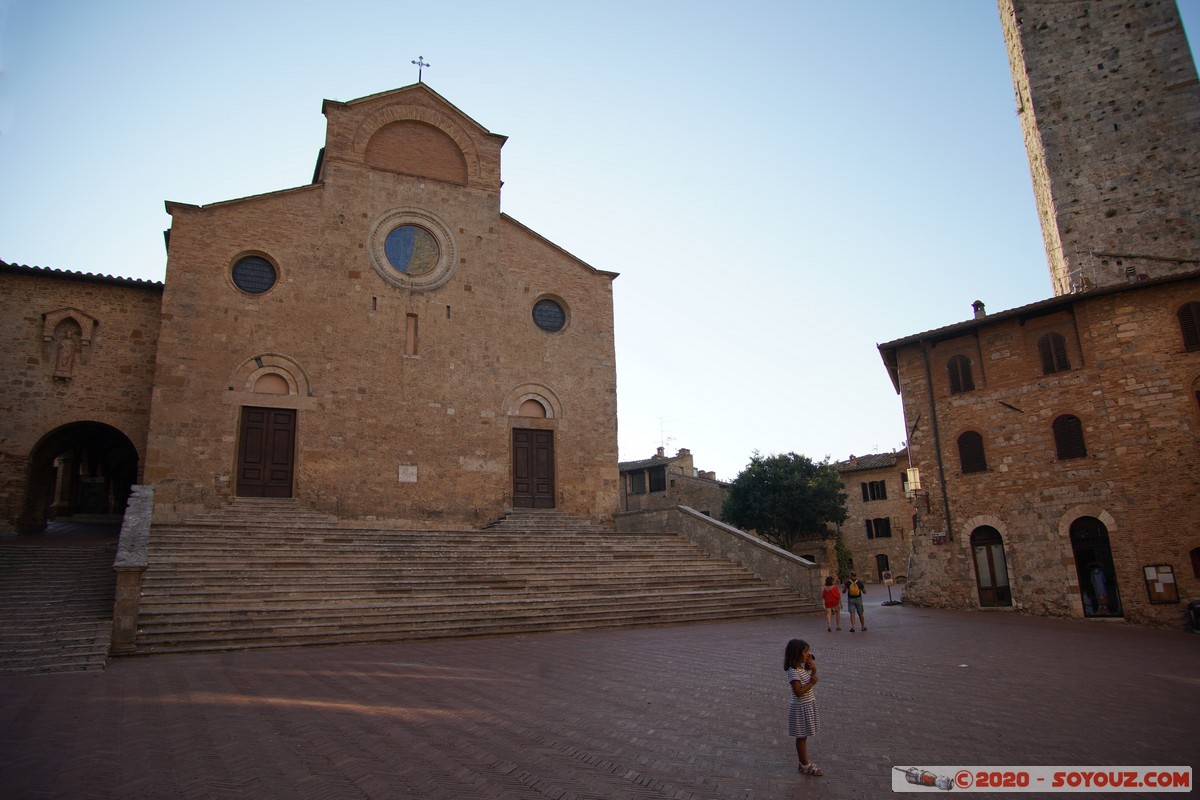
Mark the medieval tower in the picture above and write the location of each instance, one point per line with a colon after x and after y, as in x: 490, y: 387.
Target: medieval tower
x: 1110, y: 108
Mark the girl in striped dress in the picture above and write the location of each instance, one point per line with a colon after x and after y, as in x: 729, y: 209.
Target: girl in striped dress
x: 803, y: 720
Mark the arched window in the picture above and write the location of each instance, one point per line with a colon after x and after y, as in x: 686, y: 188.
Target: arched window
x: 960, y: 375
x: 970, y: 452
x: 1053, y: 349
x: 1189, y: 325
x: 1068, y: 437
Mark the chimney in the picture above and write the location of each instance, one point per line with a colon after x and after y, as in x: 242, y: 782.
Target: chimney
x: 660, y: 453
x: 979, y: 312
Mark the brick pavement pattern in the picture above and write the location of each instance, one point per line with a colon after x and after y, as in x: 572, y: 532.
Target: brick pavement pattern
x: 689, y: 712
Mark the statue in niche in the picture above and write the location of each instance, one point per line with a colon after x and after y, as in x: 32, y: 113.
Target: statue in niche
x: 64, y: 364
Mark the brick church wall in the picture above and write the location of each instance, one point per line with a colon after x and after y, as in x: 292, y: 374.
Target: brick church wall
x: 384, y: 433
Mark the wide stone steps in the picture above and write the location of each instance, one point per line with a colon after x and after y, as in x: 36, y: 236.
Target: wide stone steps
x: 235, y: 585
x: 57, y: 607
x: 359, y: 629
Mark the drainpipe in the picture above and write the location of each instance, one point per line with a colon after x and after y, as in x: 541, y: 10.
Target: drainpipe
x: 937, y: 439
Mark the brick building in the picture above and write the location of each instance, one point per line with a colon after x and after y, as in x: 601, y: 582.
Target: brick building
x: 381, y: 343
x: 879, y: 517
x: 1059, y: 443
x: 665, y: 480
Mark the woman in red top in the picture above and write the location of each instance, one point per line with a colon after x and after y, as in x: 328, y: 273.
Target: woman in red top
x: 832, y: 596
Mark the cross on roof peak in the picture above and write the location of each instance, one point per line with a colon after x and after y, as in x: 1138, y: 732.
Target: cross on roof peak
x: 421, y: 65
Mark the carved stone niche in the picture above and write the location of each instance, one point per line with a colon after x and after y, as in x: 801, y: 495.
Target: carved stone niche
x: 61, y: 327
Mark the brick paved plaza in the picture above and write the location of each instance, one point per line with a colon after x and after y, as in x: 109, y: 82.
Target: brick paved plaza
x: 686, y: 712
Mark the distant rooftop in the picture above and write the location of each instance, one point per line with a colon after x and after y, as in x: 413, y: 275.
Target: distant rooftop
x: 874, y: 461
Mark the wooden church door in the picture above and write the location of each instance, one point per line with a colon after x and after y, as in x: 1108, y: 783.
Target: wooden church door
x: 533, y: 468
x: 267, y: 452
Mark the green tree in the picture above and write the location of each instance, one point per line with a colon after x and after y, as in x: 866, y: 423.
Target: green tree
x: 845, y: 559
x: 785, y: 497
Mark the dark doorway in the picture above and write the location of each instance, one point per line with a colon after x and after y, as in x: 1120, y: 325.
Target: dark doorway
x: 1094, y: 566
x: 881, y: 565
x: 991, y: 568
x: 533, y: 468
x: 81, y: 469
x: 267, y: 451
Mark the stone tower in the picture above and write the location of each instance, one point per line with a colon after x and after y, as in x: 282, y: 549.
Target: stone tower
x: 1110, y: 108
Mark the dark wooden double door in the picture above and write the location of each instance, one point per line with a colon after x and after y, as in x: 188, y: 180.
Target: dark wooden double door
x: 533, y: 468
x: 266, y: 452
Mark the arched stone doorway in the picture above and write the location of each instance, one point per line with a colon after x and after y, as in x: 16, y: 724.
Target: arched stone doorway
x: 991, y: 567
x: 1094, y: 566
x: 83, y: 468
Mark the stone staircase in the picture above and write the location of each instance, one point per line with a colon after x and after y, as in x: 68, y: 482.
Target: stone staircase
x: 57, y: 607
x: 270, y: 574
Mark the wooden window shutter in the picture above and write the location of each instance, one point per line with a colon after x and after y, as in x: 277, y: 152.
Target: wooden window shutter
x: 1068, y: 437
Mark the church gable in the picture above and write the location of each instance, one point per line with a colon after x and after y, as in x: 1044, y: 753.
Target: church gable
x: 413, y: 131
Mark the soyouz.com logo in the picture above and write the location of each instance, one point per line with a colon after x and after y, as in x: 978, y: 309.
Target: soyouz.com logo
x: 1041, y: 779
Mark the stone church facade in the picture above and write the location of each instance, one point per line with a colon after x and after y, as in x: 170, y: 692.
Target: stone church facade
x: 383, y: 343
x: 1058, y: 444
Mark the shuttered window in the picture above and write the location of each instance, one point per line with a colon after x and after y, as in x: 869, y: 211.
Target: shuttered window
x: 1189, y: 325
x: 970, y: 452
x: 1053, y: 349
x: 959, y: 368
x: 874, y: 490
x: 879, y: 528
x: 1068, y: 437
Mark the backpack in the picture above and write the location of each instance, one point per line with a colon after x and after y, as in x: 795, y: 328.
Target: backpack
x: 855, y: 589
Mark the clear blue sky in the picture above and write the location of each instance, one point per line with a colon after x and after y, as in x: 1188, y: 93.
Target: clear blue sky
x: 781, y: 187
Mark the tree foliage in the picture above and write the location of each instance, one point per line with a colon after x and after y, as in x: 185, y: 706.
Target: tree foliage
x: 845, y: 558
x: 785, y: 498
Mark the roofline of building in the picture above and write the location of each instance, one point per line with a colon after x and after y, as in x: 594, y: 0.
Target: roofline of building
x: 887, y: 350
x: 325, y: 104
x: 559, y: 248
x: 856, y: 466
x: 86, y: 277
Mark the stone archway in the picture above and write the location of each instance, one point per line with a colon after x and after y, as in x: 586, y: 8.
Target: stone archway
x: 78, y: 468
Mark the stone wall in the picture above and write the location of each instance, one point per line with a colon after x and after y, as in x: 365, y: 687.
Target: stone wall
x: 79, y: 351
x: 1109, y: 104
x: 765, y: 560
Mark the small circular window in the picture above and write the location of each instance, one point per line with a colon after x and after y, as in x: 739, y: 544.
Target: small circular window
x: 411, y: 250
x: 253, y: 275
x: 549, y: 316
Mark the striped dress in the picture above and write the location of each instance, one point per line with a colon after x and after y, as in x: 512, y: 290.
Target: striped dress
x: 802, y: 711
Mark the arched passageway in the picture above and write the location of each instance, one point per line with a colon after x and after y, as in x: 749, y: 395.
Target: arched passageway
x: 78, y: 469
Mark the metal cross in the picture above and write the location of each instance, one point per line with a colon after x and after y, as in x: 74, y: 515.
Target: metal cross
x: 421, y: 64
